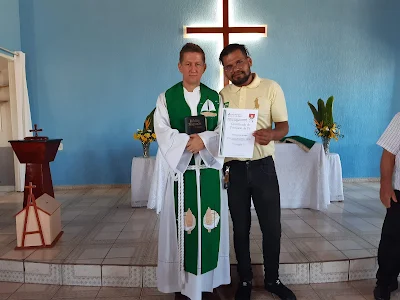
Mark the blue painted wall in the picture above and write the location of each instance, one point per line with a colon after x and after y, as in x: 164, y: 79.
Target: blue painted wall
x: 10, y: 37
x: 95, y: 69
x: 394, y: 39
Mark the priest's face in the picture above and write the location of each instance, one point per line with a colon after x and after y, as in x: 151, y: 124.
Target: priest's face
x: 237, y: 68
x: 192, y: 67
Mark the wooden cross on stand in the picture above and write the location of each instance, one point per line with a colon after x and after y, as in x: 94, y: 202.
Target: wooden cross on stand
x: 35, y: 136
x: 35, y: 130
x: 31, y: 197
x: 32, y: 203
x: 225, y: 29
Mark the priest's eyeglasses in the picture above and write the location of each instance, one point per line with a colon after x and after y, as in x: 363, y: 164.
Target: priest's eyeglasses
x: 239, y: 64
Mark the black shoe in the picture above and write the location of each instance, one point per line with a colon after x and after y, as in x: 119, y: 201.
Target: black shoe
x: 179, y: 296
x: 280, y: 290
x: 394, y: 285
x: 244, y: 291
x: 382, y: 292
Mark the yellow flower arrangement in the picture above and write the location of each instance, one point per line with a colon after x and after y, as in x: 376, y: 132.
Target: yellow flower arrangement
x: 146, y: 135
x: 330, y: 132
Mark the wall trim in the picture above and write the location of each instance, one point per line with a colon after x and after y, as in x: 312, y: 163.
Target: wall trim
x: 90, y: 186
x: 110, y: 186
x: 366, y: 179
x: 7, y: 188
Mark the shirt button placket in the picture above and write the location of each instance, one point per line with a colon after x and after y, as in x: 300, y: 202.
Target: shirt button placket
x: 242, y: 98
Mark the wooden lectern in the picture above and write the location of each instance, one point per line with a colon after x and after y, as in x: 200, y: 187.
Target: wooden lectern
x: 37, y: 152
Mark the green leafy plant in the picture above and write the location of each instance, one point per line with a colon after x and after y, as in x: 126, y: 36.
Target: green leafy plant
x: 323, y: 119
x: 149, y: 121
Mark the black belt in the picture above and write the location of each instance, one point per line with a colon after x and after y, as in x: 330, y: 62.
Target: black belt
x: 257, y: 162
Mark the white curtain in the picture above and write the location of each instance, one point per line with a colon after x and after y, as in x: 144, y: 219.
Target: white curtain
x: 21, y: 121
x: 4, y: 91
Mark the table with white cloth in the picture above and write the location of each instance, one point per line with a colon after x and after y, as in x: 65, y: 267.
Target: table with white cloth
x: 141, y: 177
x: 335, y: 177
x: 303, y: 176
x: 306, y: 179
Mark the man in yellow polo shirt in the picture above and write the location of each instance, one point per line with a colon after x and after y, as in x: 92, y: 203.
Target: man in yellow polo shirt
x: 255, y: 178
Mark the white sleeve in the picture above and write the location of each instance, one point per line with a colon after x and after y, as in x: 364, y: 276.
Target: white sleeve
x: 171, y: 142
x: 390, y: 139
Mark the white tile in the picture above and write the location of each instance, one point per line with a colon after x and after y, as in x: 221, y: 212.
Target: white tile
x: 122, y: 293
x: 83, y: 275
x: 77, y: 292
x: 12, y: 271
x: 363, y: 268
x: 334, y: 271
x: 35, y: 291
x: 122, y: 276
x: 149, y: 277
x: 294, y: 273
x: 323, y: 256
x: 320, y: 246
x: 346, y: 245
x: 8, y: 288
x: 354, y: 254
x: 42, y: 273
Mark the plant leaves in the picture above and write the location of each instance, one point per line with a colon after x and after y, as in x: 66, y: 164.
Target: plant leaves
x: 321, y: 110
x: 314, y: 111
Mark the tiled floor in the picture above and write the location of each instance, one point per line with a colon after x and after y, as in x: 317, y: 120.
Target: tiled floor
x: 355, y: 290
x: 104, y: 237
x: 100, y: 227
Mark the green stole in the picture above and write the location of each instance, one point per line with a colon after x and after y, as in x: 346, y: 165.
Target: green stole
x: 210, y: 184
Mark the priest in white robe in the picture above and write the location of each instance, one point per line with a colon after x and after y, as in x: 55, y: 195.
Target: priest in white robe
x: 193, y: 245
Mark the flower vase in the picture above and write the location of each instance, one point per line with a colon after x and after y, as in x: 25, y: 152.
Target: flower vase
x: 146, y: 148
x: 325, y: 143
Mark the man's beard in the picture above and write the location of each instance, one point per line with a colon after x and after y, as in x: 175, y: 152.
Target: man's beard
x: 242, y: 80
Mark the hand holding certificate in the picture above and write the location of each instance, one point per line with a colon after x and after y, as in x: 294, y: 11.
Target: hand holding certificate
x: 237, y: 128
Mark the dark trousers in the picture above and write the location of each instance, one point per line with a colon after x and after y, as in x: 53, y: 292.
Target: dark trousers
x: 389, y: 246
x: 257, y: 180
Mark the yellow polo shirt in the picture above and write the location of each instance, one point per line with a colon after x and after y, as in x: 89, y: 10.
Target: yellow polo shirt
x: 265, y: 95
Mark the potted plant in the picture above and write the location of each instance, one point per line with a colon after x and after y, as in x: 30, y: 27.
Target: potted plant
x: 326, y: 128
x: 146, y: 135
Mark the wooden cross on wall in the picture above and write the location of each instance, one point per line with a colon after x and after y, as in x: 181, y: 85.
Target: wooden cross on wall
x: 226, y: 29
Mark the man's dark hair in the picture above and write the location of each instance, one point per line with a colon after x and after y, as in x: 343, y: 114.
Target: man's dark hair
x: 190, y: 47
x: 231, y: 48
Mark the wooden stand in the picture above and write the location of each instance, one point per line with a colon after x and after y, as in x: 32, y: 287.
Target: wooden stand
x: 37, y: 152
